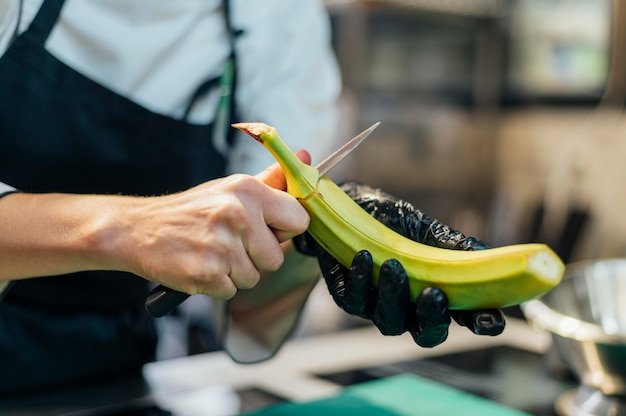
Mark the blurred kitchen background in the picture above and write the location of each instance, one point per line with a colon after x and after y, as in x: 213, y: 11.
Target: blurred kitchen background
x: 492, y: 115
x: 504, y: 119
x: 501, y: 118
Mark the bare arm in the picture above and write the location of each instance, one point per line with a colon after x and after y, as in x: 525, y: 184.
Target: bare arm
x: 211, y: 239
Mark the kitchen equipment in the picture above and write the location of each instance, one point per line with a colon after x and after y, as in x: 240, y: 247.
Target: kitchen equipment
x: 586, y: 315
x: 579, y: 186
x: 162, y: 300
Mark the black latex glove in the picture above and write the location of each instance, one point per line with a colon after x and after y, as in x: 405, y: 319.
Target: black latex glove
x: 389, y: 306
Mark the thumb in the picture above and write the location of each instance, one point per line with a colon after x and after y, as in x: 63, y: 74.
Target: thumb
x: 273, y: 175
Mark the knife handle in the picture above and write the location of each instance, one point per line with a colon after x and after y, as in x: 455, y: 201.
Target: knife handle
x: 162, y: 300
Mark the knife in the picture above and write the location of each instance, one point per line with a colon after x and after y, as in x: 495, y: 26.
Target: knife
x: 162, y: 300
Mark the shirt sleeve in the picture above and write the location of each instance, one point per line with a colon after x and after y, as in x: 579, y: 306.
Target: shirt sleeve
x: 283, y: 300
x: 288, y: 77
x: 8, y: 20
x: 5, y: 190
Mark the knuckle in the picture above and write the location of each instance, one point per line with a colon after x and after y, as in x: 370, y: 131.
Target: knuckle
x: 218, y: 288
x: 212, y: 269
x: 235, y: 214
x: 275, y: 260
x: 249, y: 280
x: 268, y: 258
x: 245, y: 183
x: 224, y: 293
x: 210, y: 278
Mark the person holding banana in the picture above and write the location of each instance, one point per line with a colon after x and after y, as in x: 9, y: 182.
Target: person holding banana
x: 119, y: 172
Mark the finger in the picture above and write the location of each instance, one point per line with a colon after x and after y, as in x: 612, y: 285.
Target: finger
x: 284, y: 218
x: 474, y: 244
x: 305, y: 243
x: 263, y: 249
x: 481, y: 322
x: 222, y: 288
x: 433, y: 318
x: 243, y: 272
x: 273, y: 175
x: 390, y: 311
x: 334, y: 274
x: 283, y: 236
x: 284, y: 215
x: 214, y: 280
x: 359, y: 295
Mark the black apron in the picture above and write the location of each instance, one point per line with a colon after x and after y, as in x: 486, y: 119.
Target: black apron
x: 61, y: 132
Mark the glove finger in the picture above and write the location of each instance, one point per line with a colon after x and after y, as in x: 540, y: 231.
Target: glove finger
x: 393, y: 299
x: 481, y: 322
x: 359, y: 295
x: 305, y: 244
x: 334, y: 274
x: 473, y: 244
x: 432, y: 318
x: 404, y: 218
x: 379, y: 205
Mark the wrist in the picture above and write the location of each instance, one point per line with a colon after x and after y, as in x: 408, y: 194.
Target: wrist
x: 107, y: 238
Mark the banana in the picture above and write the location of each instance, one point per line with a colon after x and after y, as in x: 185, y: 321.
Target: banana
x: 493, y: 278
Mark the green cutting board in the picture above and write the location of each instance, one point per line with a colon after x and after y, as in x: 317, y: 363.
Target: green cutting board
x: 400, y: 395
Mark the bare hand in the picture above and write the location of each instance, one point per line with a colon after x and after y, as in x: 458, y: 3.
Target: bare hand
x: 217, y: 237
x: 214, y: 238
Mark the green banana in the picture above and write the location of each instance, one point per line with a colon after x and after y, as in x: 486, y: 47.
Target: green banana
x: 493, y: 278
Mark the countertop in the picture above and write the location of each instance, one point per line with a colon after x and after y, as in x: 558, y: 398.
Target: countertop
x: 313, y: 368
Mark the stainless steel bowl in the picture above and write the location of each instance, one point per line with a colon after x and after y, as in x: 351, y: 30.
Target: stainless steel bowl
x: 586, y: 314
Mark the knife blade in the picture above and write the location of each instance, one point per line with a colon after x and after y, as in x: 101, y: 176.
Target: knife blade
x: 338, y: 155
x: 162, y: 300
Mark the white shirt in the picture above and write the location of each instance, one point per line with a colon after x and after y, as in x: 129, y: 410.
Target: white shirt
x: 157, y: 52
x: 4, y: 188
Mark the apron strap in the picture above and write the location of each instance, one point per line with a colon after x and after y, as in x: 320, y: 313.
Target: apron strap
x: 233, y: 35
x: 204, y: 88
x: 45, y: 20
x: 226, y: 109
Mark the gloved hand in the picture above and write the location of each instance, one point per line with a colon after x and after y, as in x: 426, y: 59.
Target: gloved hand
x: 389, y: 306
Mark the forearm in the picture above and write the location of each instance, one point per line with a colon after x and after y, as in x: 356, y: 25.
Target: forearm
x: 50, y: 234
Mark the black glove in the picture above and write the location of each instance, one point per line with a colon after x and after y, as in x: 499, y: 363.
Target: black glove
x: 389, y: 306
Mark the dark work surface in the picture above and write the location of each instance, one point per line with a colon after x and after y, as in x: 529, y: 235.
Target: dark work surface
x: 507, y: 375
x: 517, y: 378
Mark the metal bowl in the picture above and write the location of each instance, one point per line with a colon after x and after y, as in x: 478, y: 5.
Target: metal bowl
x: 586, y: 314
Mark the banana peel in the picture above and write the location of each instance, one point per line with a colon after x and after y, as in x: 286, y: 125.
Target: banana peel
x: 494, y: 278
